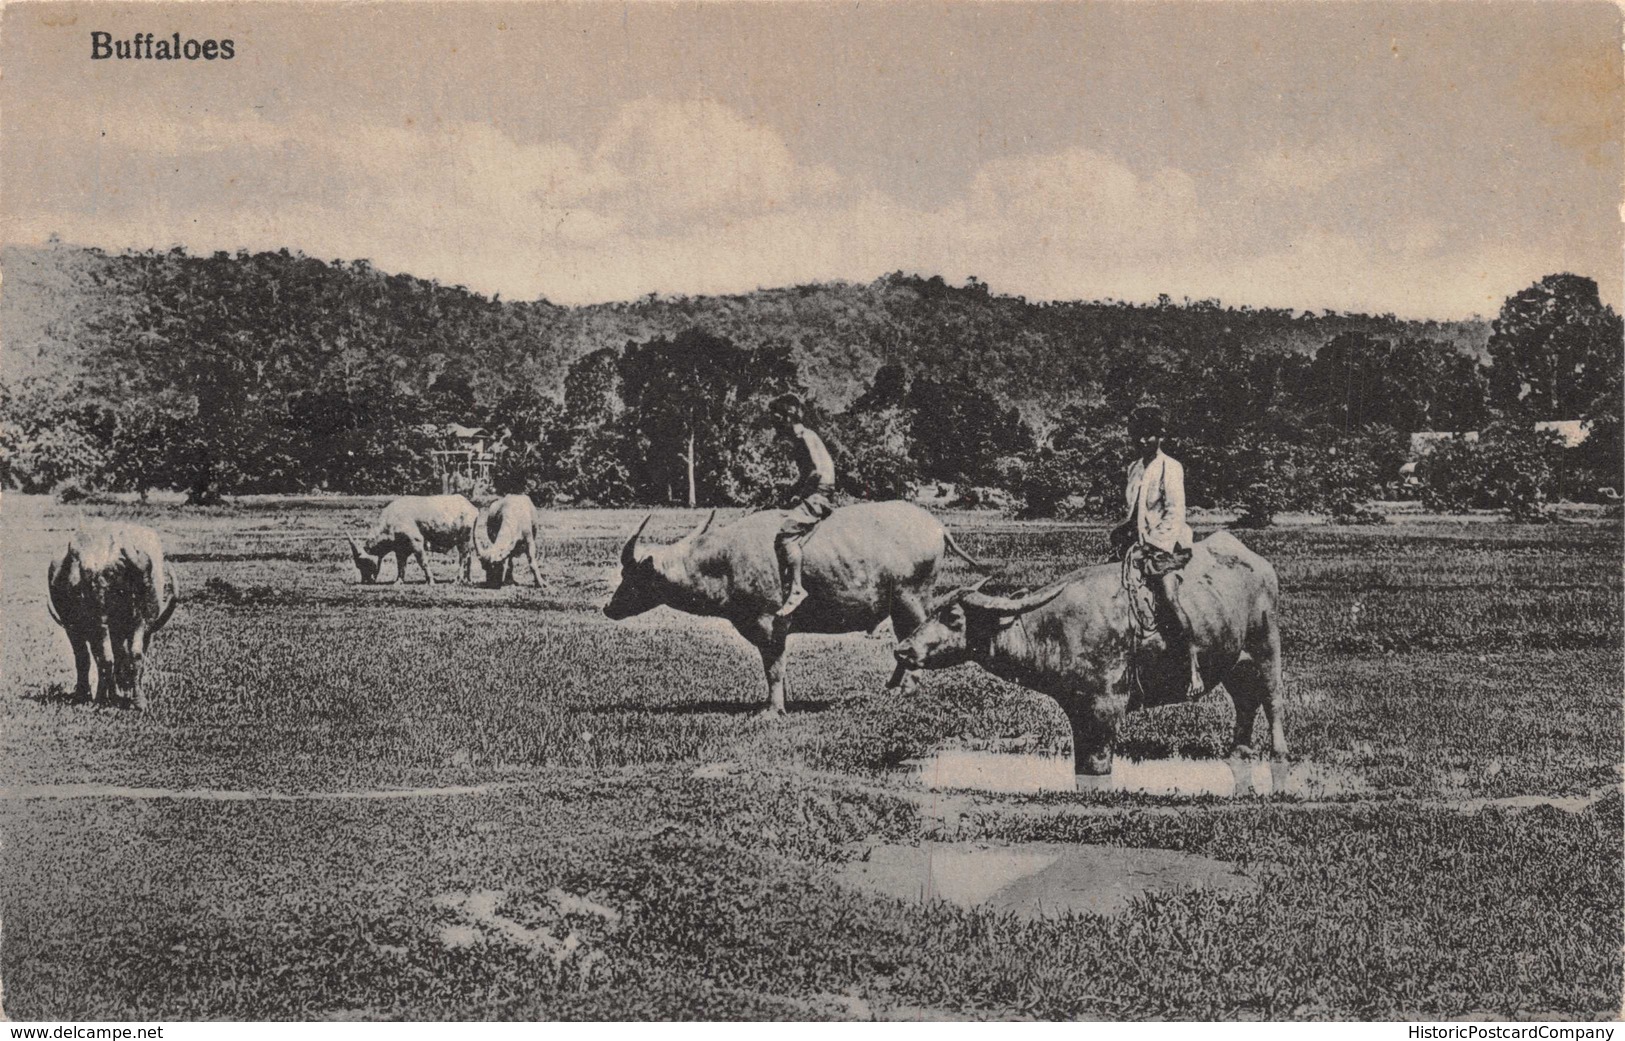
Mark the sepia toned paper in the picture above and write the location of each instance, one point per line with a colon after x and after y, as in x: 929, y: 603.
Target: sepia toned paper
x: 454, y: 399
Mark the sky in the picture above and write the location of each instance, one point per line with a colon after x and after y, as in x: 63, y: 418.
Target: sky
x: 1426, y: 159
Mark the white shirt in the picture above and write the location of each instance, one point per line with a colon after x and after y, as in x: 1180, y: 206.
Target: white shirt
x: 1156, y: 501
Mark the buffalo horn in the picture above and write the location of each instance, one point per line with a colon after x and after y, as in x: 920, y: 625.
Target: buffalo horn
x: 1005, y: 605
x: 705, y: 525
x: 629, y: 552
x: 173, y: 587
x: 953, y: 596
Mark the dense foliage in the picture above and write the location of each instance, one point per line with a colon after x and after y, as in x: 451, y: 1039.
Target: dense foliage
x: 278, y: 372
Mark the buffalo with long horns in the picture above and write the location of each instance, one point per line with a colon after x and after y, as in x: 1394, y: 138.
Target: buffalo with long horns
x: 1082, y: 640
x: 864, y: 564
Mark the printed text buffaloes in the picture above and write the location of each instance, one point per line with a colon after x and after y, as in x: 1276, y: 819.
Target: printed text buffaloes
x: 155, y: 48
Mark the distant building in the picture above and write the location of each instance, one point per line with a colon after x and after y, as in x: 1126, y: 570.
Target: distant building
x: 1423, y: 442
x: 466, y: 458
x: 1572, y: 431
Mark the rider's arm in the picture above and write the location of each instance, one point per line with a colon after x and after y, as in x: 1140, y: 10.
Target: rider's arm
x: 1173, y: 493
x: 817, y: 468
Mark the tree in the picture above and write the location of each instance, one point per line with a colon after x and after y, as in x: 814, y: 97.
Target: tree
x: 878, y: 461
x: 961, y: 429
x: 451, y: 398
x: 691, y: 402
x: 888, y: 390
x: 1081, y: 468
x: 1512, y: 467
x: 1357, y: 380
x: 1554, y: 348
x: 523, y: 418
x: 587, y: 454
x: 143, y: 443
x: 876, y: 464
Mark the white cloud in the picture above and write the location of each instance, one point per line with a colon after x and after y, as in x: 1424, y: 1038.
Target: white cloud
x: 1301, y: 168
x: 692, y: 197
x: 670, y: 161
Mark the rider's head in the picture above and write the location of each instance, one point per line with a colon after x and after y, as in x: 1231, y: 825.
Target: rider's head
x: 785, y: 411
x: 1145, y: 429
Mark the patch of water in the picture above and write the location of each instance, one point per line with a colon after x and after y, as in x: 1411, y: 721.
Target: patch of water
x: 1002, y: 772
x: 483, y: 921
x: 1035, y: 879
x: 1565, y: 804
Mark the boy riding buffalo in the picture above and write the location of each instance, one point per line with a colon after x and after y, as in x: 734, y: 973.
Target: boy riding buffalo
x: 1155, y: 495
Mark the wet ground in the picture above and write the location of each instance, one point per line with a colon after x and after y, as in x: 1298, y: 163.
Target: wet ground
x: 1048, y: 879
x: 1035, y: 879
x: 1007, y: 773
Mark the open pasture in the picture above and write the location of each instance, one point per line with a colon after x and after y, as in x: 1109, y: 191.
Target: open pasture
x: 460, y: 802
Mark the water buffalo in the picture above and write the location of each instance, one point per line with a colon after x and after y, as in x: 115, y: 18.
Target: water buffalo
x: 862, y: 565
x: 110, y: 591
x: 409, y: 526
x: 505, y: 529
x: 1074, y: 640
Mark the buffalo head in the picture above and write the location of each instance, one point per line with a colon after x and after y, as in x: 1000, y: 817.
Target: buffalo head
x: 959, y: 622
x: 643, y: 586
x: 365, y: 563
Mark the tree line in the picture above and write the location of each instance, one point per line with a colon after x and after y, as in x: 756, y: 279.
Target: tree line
x: 280, y: 373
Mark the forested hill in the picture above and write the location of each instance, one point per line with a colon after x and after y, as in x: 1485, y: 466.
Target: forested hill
x: 127, y: 323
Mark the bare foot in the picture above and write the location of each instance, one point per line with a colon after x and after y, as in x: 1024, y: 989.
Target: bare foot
x: 792, y: 601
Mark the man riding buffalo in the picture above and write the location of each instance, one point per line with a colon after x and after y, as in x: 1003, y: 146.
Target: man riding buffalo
x: 1155, y: 495
x: 807, y: 502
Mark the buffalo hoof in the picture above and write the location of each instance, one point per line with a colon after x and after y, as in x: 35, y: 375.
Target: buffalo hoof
x: 771, y: 712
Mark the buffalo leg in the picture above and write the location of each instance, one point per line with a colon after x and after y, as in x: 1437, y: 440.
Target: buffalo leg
x: 906, y: 616
x: 401, y: 557
x: 1263, y: 677
x: 1242, y: 682
x: 1271, y: 697
x: 1254, y: 685
x: 423, y: 562
x: 771, y: 644
x: 81, y: 666
x: 535, y: 569
x: 106, y: 689
x: 127, y: 672
x: 1094, y: 727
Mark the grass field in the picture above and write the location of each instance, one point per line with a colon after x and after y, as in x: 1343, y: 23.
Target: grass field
x: 618, y: 835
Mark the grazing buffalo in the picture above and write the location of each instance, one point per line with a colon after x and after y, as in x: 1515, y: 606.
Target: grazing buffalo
x: 1075, y: 640
x: 409, y: 526
x: 505, y: 529
x: 862, y: 565
x: 110, y: 591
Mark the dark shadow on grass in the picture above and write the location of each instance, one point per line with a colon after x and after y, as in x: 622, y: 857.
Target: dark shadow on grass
x: 62, y: 694
x: 55, y: 693
x: 538, y: 601
x: 406, y: 595
x: 697, y: 708
x: 301, y: 556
